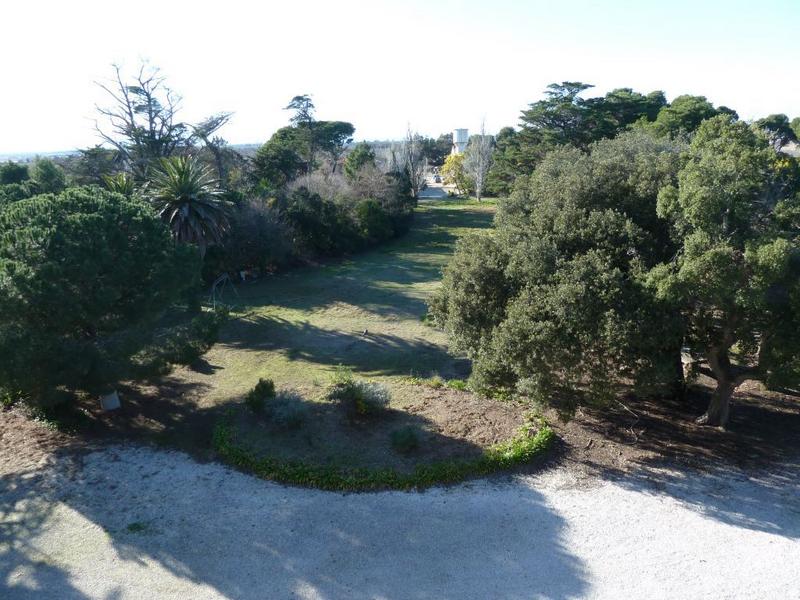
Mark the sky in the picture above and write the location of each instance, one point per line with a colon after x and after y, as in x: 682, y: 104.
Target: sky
x: 384, y: 66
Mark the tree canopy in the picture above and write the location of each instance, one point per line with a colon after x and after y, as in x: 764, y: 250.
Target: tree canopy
x: 83, y: 275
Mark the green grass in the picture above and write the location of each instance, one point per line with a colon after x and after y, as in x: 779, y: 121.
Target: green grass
x: 295, y: 328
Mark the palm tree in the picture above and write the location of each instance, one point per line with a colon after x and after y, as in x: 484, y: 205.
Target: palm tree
x: 186, y: 196
x: 121, y: 183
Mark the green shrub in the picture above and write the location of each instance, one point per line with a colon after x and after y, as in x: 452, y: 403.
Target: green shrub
x: 360, y: 397
x: 7, y: 398
x: 457, y: 384
x: 258, y: 397
x: 405, y: 439
x: 435, y: 382
x: 374, y: 224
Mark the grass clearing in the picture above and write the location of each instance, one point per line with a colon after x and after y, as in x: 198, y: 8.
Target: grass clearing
x: 365, y: 312
x: 365, y: 317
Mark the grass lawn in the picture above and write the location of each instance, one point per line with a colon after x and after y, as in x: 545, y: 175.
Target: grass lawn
x: 297, y: 327
x: 365, y: 313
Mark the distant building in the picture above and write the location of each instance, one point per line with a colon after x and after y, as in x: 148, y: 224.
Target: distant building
x: 460, y: 139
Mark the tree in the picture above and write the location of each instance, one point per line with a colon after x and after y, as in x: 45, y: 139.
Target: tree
x: 204, y: 131
x: 47, y: 177
x: 555, y: 303
x: 333, y: 137
x: 359, y: 157
x: 259, y: 238
x: 736, y: 280
x: 559, y: 118
x: 13, y: 172
x: 278, y: 161
x: 478, y: 160
x: 93, y: 164
x: 83, y: 276
x: 778, y: 130
x: 437, y: 150
x: 187, y: 198
x: 683, y: 115
x: 414, y: 163
x: 142, y: 120
x: 795, y: 125
x: 120, y: 183
x: 453, y: 173
x: 304, y: 123
x: 505, y: 164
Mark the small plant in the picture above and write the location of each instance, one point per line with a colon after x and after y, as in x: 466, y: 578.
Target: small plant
x: 361, y: 397
x: 136, y: 527
x: 435, y: 382
x: 289, y: 411
x: 405, y: 439
x: 457, y: 384
x: 7, y: 398
x: 258, y: 397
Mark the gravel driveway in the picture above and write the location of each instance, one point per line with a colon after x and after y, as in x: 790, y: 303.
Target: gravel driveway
x: 130, y: 522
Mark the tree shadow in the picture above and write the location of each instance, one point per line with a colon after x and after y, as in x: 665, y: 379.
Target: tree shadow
x: 243, y: 538
x: 374, y: 353
x: 332, y: 434
x: 166, y: 411
x: 26, y: 506
x: 747, y: 475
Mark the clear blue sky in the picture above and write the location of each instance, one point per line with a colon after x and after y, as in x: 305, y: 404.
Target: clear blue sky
x: 382, y: 65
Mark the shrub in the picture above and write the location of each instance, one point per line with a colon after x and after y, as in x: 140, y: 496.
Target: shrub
x: 288, y: 411
x: 373, y: 222
x: 405, y: 439
x: 360, y: 397
x: 259, y: 238
x: 257, y: 398
x: 457, y: 384
x: 435, y: 382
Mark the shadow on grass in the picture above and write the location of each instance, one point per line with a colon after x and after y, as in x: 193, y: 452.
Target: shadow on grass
x: 332, y: 435
x: 372, y: 353
x: 374, y: 280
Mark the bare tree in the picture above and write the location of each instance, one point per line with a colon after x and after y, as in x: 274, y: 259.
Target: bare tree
x: 478, y: 159
x: 141, y: 121
x: 204, y: 131
x: 414, y: 161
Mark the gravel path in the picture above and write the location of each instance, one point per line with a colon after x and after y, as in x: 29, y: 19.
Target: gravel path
x: 128, y: 522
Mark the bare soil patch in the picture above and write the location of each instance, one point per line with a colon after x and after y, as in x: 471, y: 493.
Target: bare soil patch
x: 764, y: 430
x: 449, y: 425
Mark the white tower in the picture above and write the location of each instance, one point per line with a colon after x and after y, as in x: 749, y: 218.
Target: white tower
x: 460, y: 139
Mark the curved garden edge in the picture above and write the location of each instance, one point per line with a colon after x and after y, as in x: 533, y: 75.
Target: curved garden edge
x: 533, y: 439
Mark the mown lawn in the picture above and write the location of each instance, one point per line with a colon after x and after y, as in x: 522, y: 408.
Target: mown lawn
x: 364, y: 312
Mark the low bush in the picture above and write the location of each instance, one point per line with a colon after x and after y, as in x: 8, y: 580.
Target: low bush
x: 360, y: 397
x: 457, y: 384
x: 258, y: 397
x: 435, y: 382
x: 405, y: 439
x: 288, y: 411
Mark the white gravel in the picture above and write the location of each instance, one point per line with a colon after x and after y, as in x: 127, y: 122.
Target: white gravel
x: 130, y: 522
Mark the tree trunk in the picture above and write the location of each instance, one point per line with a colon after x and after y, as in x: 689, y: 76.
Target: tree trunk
x: 719, y: 408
